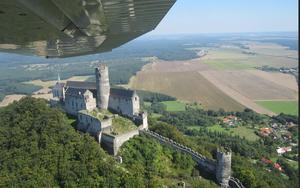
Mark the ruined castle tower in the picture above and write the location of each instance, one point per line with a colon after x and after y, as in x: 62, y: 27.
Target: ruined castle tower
x: 103, y: 87
x: 223, y: 170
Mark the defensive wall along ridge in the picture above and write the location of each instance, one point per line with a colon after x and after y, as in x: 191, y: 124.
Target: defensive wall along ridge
x: 221, y: 167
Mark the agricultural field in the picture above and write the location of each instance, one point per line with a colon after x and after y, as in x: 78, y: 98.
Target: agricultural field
x: 287, y: 107
x: 241, y: 131
x: 174, y: 106
x: 283, y: 80
x: 50, y: 83
x: 191, y: 87
x: 251, y: 86
x: 251, y: 56
x: 10, y: 99
x: 271, y: 49
x: 225, y: 77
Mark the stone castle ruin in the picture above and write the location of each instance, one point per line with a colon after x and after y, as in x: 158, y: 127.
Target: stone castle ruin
x: 111, y: 115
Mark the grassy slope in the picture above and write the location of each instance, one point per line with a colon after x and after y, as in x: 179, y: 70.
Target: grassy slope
x: 287, y: 107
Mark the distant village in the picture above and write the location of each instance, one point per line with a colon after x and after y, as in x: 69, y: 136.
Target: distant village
x: 275, y: 131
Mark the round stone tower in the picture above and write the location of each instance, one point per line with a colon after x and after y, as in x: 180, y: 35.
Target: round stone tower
x: 223, y: 170
x: 103, y: 87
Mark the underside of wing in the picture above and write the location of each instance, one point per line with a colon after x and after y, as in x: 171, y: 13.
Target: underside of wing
x: 64, y: 28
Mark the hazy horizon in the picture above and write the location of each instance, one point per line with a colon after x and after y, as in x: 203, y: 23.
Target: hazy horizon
x: 232, y: 16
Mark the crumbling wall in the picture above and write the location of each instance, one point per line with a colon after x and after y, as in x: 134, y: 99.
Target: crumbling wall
x: 92, y: 125
x: 112, y: 143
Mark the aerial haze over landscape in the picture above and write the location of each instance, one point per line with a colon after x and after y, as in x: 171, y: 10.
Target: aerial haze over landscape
x: 209, y: 98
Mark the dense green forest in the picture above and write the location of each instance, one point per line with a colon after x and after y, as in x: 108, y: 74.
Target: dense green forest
x: 159, y: 165
x: 40, y: 149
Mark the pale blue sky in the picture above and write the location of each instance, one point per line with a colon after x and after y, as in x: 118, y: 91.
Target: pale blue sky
x: 223, y: 16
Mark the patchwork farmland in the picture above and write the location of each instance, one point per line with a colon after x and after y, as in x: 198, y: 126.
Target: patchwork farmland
x: 186, y: 86
x: 225, y: 77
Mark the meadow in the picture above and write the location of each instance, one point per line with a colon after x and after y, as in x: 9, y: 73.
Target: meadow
x: 249, y: 56
x: 287, y: 107
x: 174, y: 106
x: 241, y: 131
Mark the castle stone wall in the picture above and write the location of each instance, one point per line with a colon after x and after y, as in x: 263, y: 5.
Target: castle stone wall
x: 141, y: 119
x: 125, y: 105
x: 120, y: 139
x: 108, y: 142
x: 112, y: 143
x: 120, y: 105
x: 73, y: 104
x: 92, y: 125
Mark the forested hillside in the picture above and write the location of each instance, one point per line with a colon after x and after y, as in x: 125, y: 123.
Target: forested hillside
x: 40, y: 148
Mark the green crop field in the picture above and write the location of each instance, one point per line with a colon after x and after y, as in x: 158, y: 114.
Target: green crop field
x: 228, y: 64
x: 248, y: 133
x: 287, y: 107
x: 174, y: 106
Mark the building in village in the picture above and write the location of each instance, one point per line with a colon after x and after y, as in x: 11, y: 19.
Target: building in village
x: 102, y: 111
